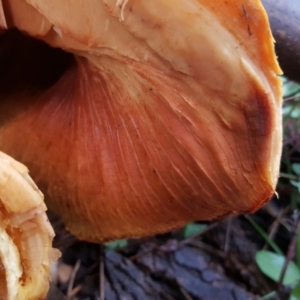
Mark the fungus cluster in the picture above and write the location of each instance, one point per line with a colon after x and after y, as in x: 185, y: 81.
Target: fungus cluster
x: 152, y: 114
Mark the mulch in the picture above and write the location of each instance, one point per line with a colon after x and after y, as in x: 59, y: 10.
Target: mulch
x: 217, y: 264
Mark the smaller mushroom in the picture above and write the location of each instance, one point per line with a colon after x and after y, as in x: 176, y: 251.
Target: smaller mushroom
x: 26, y: 235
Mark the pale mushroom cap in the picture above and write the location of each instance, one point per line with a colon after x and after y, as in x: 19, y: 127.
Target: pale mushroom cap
x: 25, y: 235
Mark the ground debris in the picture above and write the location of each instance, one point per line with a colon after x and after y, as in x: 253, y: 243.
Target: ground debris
x: 164, y: 267
x: 192, y: 270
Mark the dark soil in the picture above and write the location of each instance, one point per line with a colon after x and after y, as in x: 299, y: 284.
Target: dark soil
x: 217, y: 264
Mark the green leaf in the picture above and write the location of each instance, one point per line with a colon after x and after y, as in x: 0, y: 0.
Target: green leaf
x: 193, y: 229
x: 117, y: 244
x: 295, y: 295
x: 295, y: 113
x: 271, y: 265
x: 290, y: 88
x: 296, y: 168
x: 298, y: 249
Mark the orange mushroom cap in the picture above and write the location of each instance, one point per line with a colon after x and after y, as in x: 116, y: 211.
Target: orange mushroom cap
x: 170, y: 112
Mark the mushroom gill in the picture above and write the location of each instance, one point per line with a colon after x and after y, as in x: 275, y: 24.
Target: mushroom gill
x: 166, y: 111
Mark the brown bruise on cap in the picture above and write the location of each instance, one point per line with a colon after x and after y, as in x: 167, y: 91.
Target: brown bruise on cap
x: 147, y: 131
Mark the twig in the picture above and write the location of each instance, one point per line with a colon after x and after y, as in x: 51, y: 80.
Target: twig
x: 101, y: 273
x: 72, y: 279
x: 291, y: 252
x: 291, y: 98
x: 185, y: 294
x: 75, y: 291
x: 207, y: 248
x: 167, y: 296
x: 264, y: 235
x: 180, y: 243
x: 142, y: 253
x: 274, y: 227
x: 84, y: 273
x: 227, y: 237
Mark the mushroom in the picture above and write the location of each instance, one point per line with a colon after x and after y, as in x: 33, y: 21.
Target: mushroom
x: 26, y: 235
x: 164, y: 112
